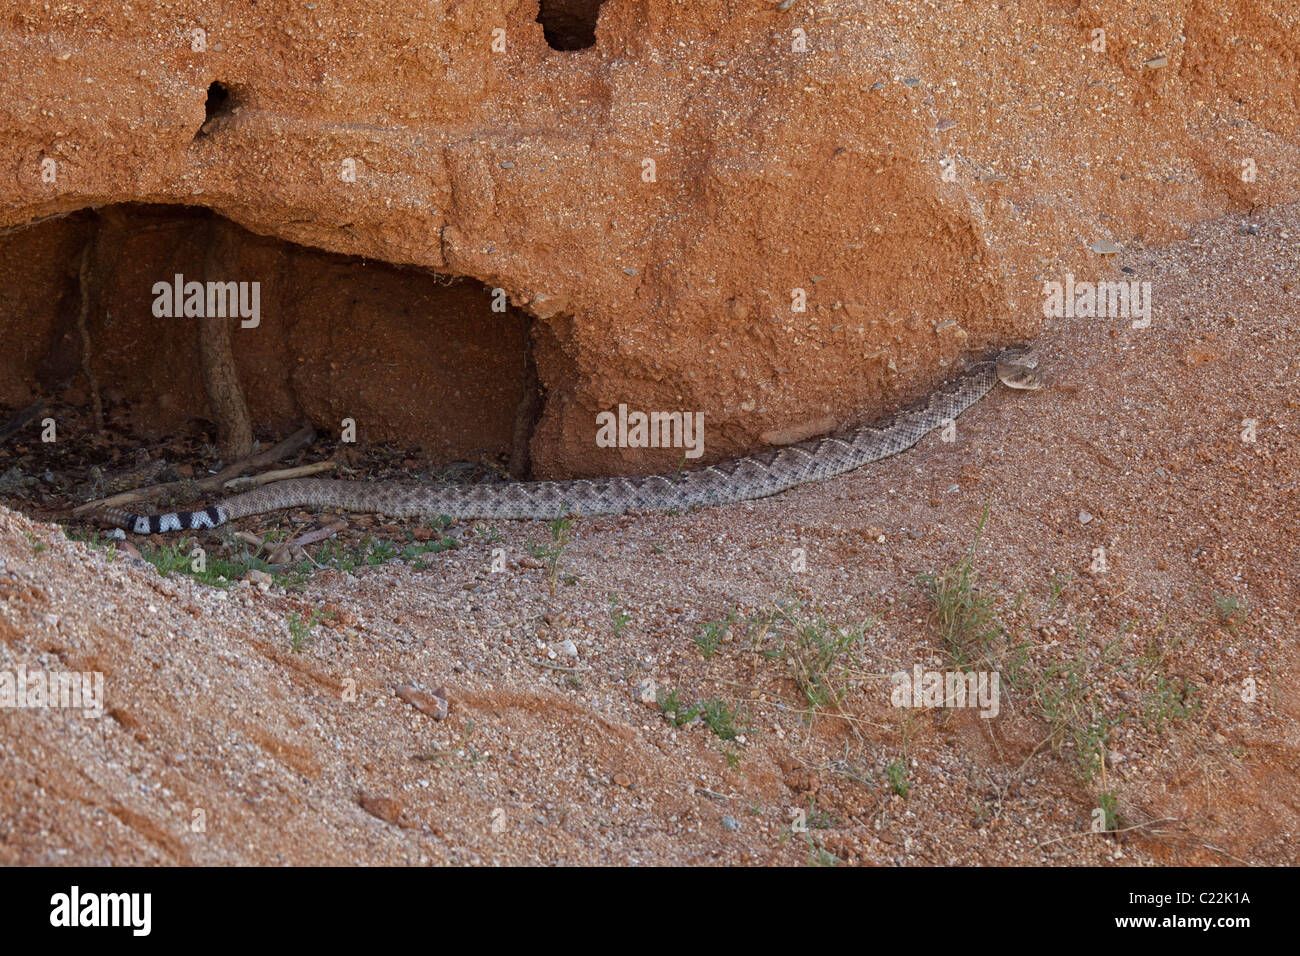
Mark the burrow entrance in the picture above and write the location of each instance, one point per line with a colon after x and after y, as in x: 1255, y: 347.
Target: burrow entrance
x: 103, y: 342
x: 569, y: 24
x: 221, y: 103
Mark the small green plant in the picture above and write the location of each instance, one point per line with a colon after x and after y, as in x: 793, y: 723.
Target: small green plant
x: 732, y: 756
x: 820, y: 819
x: 372, y: 551
x: 963, y: 615
x: 1230, y: 611
x: 1014, y: 664
x: 380, y: 551
x: 1108, y: 803
x: 213, y: 570
x: 820, y: 654
x: 300, y: 630
x: 37, y: 546
x: 561, y: 529
x: 413, y: 552
x: 617, y: 617
x: 823, y: 657
x: 1169, y: 699
x: 896, y: 774
x: 1054, y: 588
x: 167, y: 558
x: 818, y: 855
x: 487, y: 534
x: 91, y: 538
x: 334, y: 554
x: 1063, y: 697
x: 721, y: 719
x: 675, y: 711
x: 715, y: 714
x: 1069, y: 693
x: 710, y: 634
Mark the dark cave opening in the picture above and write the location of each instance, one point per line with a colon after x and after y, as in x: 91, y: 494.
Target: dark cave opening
x: 569, y: 24
x: 103, y: 308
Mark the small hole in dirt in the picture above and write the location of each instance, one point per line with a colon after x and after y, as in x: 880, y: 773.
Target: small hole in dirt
x: 569, y: 24
x: 219, y: 104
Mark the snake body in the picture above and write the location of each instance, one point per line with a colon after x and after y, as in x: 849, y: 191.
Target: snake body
x: 742, y: 479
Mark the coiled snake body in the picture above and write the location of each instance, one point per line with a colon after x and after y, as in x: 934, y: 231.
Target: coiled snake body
x: 755, y: 476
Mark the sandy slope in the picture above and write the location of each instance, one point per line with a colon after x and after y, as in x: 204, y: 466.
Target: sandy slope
x: 209, y: 709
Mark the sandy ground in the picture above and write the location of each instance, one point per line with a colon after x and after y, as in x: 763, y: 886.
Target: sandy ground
x: 222, y: 744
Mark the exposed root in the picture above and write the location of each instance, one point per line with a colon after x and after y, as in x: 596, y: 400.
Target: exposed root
x: 220, y: 376
x: 89, y: 293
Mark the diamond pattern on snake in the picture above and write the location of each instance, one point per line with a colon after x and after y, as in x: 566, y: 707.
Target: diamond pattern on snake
x: 742, y: 479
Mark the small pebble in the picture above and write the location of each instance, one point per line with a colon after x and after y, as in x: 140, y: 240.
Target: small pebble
x: 260, y: 579
x: 434, y: 704
x: 383, y: 808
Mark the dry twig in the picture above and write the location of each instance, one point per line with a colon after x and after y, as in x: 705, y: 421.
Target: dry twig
x: 283, y: 474
x: 298, y: 439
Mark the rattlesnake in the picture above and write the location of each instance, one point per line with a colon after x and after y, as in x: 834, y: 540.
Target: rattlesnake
x: 756, y: 476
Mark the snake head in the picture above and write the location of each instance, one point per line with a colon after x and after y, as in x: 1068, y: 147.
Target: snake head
x: 1016, y: 369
